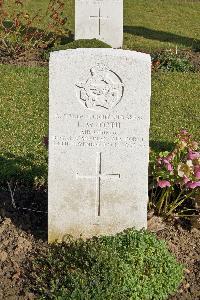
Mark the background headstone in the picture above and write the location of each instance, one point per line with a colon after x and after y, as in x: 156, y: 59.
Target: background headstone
x: 98, y: 141
x: 100, y: 19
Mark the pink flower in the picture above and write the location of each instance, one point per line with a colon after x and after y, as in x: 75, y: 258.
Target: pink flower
x: 166, y: 161
x: 193, y: 155
x: 163, y: 183
x: 185, y: 179
x: 170, y: 167
x: 184, y: 131
x: 197, y: 171
x: 193, y: 184
x: 170, y: 156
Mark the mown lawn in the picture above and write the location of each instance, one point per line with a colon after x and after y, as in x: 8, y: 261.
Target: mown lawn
x: 175, y: 104
x: 23, y: 122
x: 148, y: 24
x: 24, y: 116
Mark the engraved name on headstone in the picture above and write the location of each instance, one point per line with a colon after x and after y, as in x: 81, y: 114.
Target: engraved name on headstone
x: 98, y: 141
x: 100, y: 19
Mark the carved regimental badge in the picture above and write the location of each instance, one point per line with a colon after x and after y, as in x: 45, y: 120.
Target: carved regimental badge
x: 104, y: 89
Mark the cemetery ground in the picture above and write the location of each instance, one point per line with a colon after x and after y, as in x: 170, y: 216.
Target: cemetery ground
x: 149, y: 27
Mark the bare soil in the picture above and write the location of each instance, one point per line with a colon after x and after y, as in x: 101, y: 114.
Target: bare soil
x: 29, y: 58
x: 194, y: 58
x: 185, y: 245
x: 23, y: 236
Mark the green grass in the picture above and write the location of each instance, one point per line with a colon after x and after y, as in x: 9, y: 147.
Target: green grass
x: 153, y: 24
x: 149, y: 25
x: 24, y: 116
x: 175, y: 104
x: 24, y: 122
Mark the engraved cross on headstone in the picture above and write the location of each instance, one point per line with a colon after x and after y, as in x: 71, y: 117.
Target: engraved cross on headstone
x: 99, y: 17
x: 99, y: 177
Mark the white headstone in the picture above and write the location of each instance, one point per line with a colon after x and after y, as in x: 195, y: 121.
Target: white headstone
x: 100, y: 19
x: 98, y: 141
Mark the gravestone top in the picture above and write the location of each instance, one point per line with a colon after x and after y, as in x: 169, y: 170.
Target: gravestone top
x: 99, y: 117
x: 92, y: 52
x: 100, y: 19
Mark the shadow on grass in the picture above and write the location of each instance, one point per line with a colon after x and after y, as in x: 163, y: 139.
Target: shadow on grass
x: 158, y: 146
x: 21, y: 168
x: 162, y: 36
x: 20, y: 199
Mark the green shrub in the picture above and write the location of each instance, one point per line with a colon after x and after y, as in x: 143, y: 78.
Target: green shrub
x: 19, y: 26
x: 170, y: 61
x: 131, y: 265
x: 93, y: 43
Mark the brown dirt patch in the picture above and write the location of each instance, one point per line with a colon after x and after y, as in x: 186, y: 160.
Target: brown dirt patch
x: 16, y: 249
x: 194, y: 58
x: 28, y: 212
x: 20, y: 243
x: 23, y: 235
x: 29, y: 58
x: 185, y: 244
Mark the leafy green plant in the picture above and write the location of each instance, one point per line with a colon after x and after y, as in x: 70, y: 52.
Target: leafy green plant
x: 170, y: 61
x: 19, y: 28
x: 176, y: 177
x: 131, y: 265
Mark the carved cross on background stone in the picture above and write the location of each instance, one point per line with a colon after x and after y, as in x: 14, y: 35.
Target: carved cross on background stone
x: 99, y: 17
x: 99, y: 177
